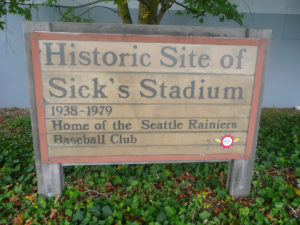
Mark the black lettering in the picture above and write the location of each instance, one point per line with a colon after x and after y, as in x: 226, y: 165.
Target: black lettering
x: 182, y: 59
x: 240, y: 56
x: 229, y: 61
x: 168, y: 56
x: 57, y: 139
x: 122, y: 58
x: 162, y: 90
x: 223, y: 125
x: 56, y: 124
x: 142, y: 60
x: 98, y: 89
x: 202, y: 59
x: 191, y: 55
x: 134, y: 57
x: 123, y: 91
x: 145, y: 124
x: 148, y: 88
x: 84, y: 58
x: 96, y: 53
x: 72, y: 54
x: 57, y: 87
x: 80, y: 91
x: 113, y: 58
x: 189, y: 92
x: 192, y: 124
x: 216, y: 92
x: 233, y: 92
x: 175, y: 92
x: 61, y: 53
x: 73, y: 95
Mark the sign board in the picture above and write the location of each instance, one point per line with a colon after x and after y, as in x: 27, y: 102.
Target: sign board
x: 145, y: 98
x: 112, y: 93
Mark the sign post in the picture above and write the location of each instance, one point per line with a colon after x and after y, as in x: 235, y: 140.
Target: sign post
x: 112, y: 97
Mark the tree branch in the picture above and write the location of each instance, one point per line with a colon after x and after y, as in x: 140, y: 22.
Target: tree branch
x: 80, y: 6
x: 98, y: 6
x: 57, y: 5
x: 61, y: 13
x: 188, y: 8
x: 164, y: 8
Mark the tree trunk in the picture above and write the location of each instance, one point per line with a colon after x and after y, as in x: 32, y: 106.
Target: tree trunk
x: 124, y: 12
x: 149, y: 11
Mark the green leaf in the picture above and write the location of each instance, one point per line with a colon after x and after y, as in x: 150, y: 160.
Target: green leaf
x: 205, y: 215
x: 86, y: 220
x: 42, y: 202
x: 161, y: 217
x: 244, y: 211
x: 95, y: 210
x: 106, y: 211
x: 170, y: 211
x: 279, y: 204
x: 135, y: 202
x: 134, y: 183
x: 68, y: 212
x: 179, y: 12
x: 117, y: 180
x: 78, y: 216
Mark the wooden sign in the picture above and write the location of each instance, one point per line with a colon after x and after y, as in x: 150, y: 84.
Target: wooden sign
x: 112, y: 94
x: 145, y: 98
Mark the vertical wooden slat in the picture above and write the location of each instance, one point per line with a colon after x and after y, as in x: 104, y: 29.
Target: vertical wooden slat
x: 49, y: 176
x: 240, y: 171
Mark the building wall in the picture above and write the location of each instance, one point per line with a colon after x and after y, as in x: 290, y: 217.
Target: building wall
x: 283, y: 71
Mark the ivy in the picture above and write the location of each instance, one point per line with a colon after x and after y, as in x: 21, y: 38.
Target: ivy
x: 192, y: 193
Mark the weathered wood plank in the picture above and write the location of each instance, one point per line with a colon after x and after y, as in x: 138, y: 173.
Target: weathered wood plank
x: 240, y: 171
x: 49, y: 176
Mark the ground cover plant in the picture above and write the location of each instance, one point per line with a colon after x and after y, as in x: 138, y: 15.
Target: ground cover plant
x: 153, y: 194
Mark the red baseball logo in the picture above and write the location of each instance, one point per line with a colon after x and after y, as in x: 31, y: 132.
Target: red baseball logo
x: 227, y: 141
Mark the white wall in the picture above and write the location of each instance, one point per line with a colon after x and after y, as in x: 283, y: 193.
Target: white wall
x: 283, y: 73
